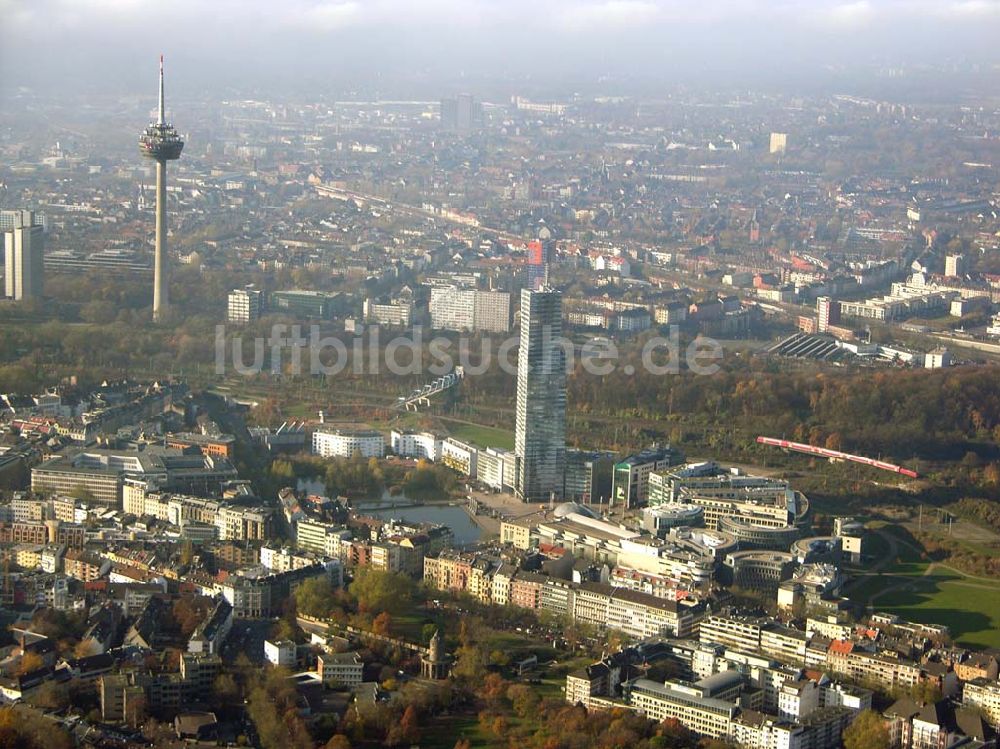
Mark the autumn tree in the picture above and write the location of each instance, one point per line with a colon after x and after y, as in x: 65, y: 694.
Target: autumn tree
x: 407, y: 730
x: 30, y: 661
x: 377, y: 591
x: 316, y: 597
x: 868, y: 731
x: 382, y: 624
x: 27, y: 730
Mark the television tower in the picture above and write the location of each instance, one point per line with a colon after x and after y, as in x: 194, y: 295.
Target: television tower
x: 161, y: 142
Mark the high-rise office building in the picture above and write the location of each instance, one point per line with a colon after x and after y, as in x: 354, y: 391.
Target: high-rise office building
x: 449, y: 114
x: 160, y: 142
x: 24, y: 247
x: 538, y: 264
x: 540, y: 431
x: 827, y: 313
x: 9, y: 218
x: 779, y: 142
x: 461, y: 114
x: 245, y: 305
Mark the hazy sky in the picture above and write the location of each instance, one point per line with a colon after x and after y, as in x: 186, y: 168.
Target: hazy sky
x: 297, y: 44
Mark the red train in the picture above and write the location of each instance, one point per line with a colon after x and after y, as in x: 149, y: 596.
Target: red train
x: 837, y: 455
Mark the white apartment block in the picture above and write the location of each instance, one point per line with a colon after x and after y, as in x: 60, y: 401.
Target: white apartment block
x: 759, y: 731
x: 311, y: 535
x: 460, y: 456
x: 497, y: 468
x: 797, y: 699
x: 453, y: 308
x: 393, y: 314
x: 704, y: 715
x: 336, y: 443
x: 338, y: 544
x: 741, y: 634
x: 243, y: 523
x: 340, y: 669
x: 985, y: 695
x: 423, y: 445
x: 280, y: 653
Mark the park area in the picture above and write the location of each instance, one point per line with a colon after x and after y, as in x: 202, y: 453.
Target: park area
x: 914, y: 586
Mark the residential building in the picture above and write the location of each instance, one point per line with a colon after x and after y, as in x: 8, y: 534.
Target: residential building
x: 460, y: 456
x: 280, y: 653
x: 423, y: 445
x: 397, y: 313
x: 462, y: 309
x: 985, y: 695
x: 329, y: 442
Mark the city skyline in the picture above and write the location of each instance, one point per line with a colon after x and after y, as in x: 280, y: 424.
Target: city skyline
x: 613, y: 373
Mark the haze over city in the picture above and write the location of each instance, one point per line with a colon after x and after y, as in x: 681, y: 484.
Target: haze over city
x: 400, y: 46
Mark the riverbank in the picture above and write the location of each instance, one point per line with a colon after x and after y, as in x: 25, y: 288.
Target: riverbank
x: 488, y: 525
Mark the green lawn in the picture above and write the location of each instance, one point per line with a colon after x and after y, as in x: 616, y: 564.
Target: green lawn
x: 971, y: 612
x: 445, y: 731
x: 482, y: 436
x: 969, y: 608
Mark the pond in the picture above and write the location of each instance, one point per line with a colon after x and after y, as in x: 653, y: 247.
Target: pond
x: 456, y: 518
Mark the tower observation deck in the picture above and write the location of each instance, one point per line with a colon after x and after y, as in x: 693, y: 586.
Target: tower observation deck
x: 160, y: 142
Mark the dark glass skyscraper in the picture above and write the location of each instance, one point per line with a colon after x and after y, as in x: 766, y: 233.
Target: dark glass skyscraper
x: 540, y: 431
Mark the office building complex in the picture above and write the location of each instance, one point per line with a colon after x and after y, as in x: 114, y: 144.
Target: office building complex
x: 299, y: 303
x: 100, y: 474
x: 631, y: 476
x: 394, y: 313
x: 160, y: 142
x: 245, y: 305
x: 24, y: 248
x: 540, y: 430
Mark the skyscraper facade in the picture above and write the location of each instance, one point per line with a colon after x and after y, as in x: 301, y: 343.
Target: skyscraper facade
x: 538, y: 264
x: 827, y: 313
x: 461, y: 114
x: 24, y: 247
x: 540, y: 430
